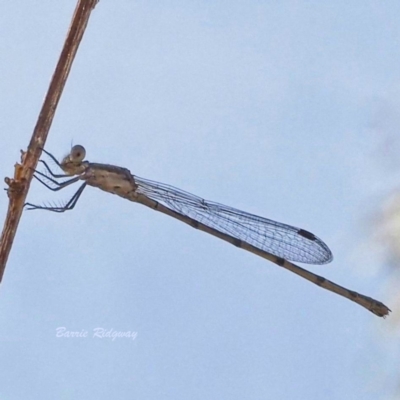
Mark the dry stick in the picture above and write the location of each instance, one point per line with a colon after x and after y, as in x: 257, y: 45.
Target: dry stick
x: 19, y: 185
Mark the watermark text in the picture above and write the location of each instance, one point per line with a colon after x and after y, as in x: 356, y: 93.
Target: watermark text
x: 95, y: 333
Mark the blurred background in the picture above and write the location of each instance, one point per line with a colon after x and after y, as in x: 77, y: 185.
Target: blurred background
x: 288, y: 111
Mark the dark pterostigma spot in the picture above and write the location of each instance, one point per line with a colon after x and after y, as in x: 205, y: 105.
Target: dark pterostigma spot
x: 321, y: 280
x: 237, y: 243
x: 280, y: 261
x: 306, y: 234
x: 195, y: 224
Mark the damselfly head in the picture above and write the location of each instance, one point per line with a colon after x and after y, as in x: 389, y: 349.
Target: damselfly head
x: 77, y: 154
x: 74, y: 159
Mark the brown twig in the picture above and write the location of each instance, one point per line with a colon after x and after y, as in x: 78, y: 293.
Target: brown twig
x: 19, y: 185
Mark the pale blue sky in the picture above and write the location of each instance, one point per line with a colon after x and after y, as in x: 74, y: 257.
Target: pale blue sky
x: 268, y: 107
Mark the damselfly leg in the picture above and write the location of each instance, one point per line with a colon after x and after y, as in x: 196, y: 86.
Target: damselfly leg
x: 58, y: 186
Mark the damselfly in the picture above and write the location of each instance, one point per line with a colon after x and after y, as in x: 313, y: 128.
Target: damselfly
x: 274, y: 241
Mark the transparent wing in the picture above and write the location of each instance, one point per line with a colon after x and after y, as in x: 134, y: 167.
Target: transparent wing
x: 282, y: 240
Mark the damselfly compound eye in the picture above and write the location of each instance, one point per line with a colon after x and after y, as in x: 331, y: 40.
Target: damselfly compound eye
x: 77, y: 154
